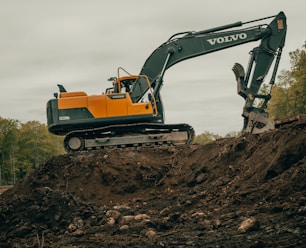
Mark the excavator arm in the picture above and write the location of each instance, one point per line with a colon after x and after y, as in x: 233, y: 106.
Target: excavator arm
x: 183, y: 46
x: 249, y: 84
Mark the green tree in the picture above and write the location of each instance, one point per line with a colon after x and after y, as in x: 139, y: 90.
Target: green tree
x: 288, y: 95
x: 206, y: 137
x: 298, y: 73
x: 8, y: 146
x: 24, y: 147
x: 36, y: 145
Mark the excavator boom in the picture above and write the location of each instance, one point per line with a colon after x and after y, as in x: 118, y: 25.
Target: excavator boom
x: 193, y: 44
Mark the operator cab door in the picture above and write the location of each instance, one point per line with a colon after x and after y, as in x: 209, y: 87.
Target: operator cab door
x: 120, y: 97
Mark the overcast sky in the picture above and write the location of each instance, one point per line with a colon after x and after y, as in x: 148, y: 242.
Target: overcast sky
x: 81, y: 43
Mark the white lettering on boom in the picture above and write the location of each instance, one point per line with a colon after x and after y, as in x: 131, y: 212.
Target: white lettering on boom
x: 228, y: 38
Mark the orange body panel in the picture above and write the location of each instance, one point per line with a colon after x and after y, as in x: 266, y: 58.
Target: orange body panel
x: 101, y: 106
x: 97, y: 105
x: 116, y: 107
x: 72, y: 102
x: 72, y: 94
x: 140, y: 108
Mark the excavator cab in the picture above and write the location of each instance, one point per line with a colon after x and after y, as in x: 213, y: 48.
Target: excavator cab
x: 124, y: 84
x: 77, y: 110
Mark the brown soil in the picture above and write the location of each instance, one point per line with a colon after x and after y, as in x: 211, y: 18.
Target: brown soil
x: 248, y: 191
x: 4, y: 188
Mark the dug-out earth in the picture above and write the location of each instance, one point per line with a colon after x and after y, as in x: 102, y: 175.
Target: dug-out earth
x: 248, y: 191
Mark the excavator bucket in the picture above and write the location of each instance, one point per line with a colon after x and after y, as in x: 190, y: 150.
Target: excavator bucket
x: 258, y: 123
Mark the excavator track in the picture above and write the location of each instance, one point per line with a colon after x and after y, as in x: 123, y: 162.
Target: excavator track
x: 129, y: 136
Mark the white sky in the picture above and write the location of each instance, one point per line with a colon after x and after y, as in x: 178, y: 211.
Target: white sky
x: 81, y: 43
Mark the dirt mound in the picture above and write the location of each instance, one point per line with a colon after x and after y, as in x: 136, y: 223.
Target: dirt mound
x: 237, y: 192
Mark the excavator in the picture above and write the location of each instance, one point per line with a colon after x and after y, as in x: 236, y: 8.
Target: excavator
x: 130, y: 112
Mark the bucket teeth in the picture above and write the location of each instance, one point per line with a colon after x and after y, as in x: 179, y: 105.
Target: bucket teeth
x: 240, y: 78
x: 238, y: 71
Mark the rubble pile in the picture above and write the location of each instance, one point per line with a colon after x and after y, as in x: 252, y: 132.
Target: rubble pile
x: 248, y: 191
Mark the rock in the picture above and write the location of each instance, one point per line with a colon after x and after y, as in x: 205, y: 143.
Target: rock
x: 164, y: 212
x: 76, y: 224
x: 140, y: 217
x: 127, y: 219
x: 151, y: 234
x: 78, y: 233
x: 250, y: 224
x: 111, y: 221
x: 124, y: 227
x: 218, y: 223
x: 201, y: 178
x: 113, y: 213
x: 198, y: 214
x: 79, y: 222
x: 72, y: 227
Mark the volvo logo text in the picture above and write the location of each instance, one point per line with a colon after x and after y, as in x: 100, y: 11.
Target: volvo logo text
x: 228, y: 38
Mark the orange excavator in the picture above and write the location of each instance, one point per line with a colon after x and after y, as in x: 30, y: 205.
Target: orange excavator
x: 130, y: 113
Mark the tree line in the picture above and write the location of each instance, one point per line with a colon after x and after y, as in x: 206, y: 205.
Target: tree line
x: 23, y: 147
x: 289, y: 93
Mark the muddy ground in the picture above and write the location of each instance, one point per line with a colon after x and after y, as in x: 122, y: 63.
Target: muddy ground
x: 248, y: 191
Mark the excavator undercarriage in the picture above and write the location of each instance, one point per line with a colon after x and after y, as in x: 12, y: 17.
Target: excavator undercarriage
x: 129, y: 136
